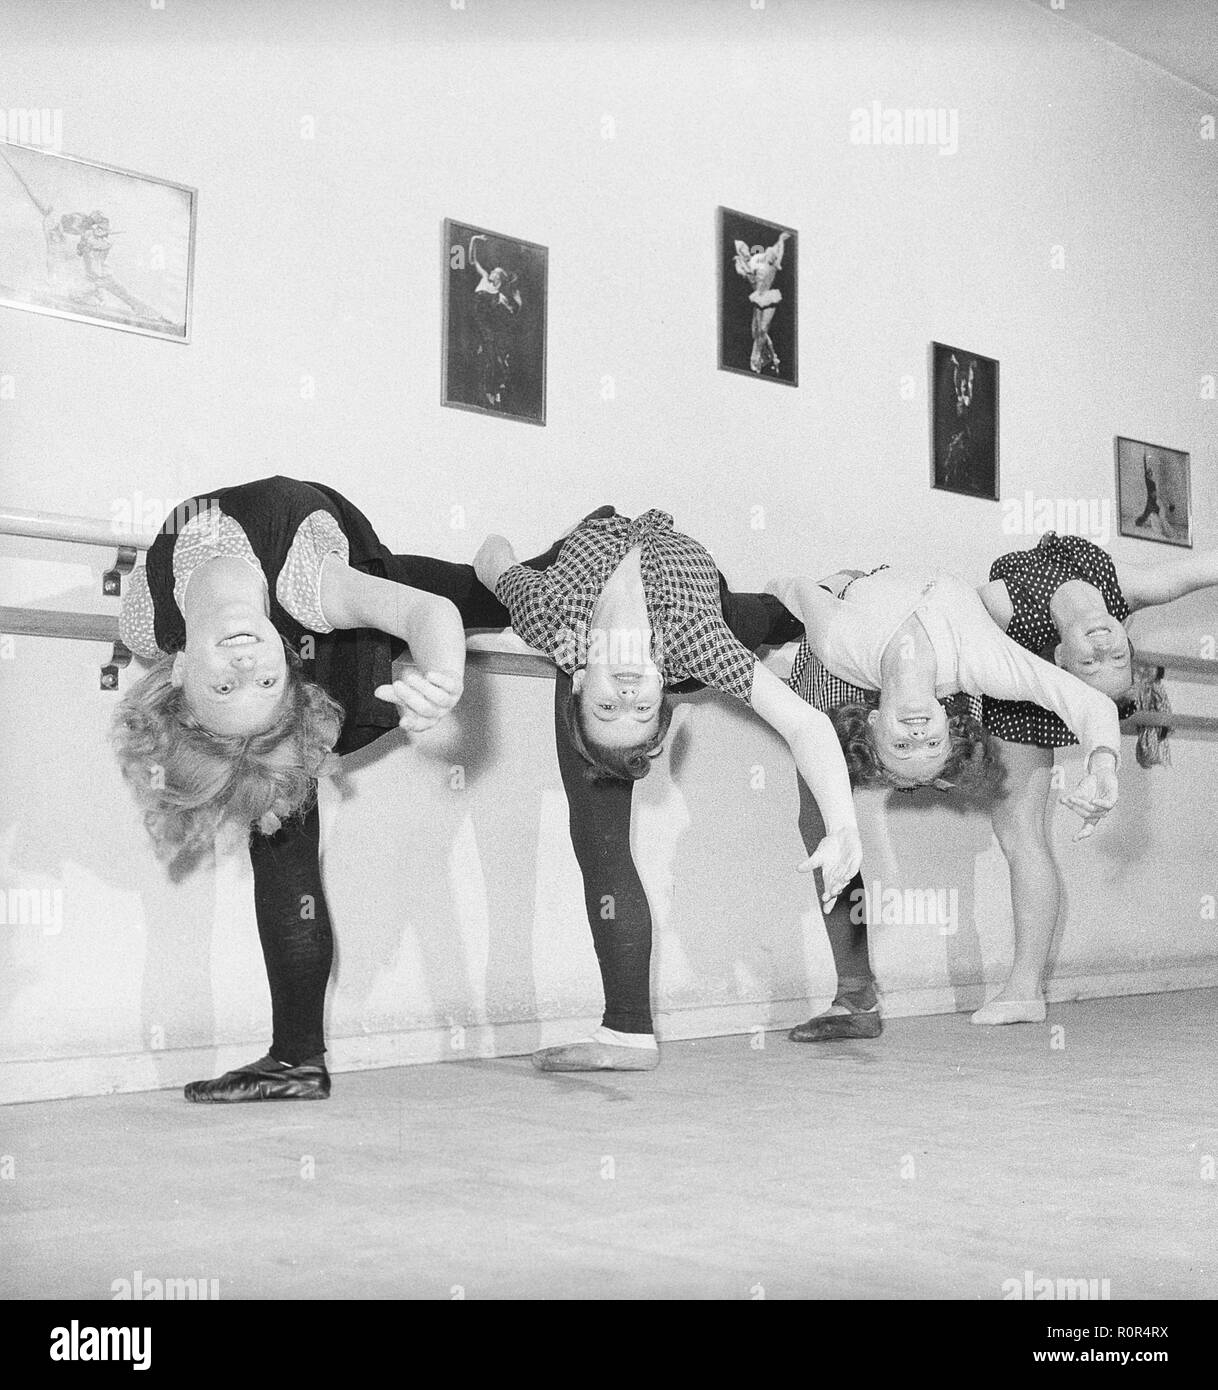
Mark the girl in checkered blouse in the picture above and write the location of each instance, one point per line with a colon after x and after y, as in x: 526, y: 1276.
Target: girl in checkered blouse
x: 631, y: 608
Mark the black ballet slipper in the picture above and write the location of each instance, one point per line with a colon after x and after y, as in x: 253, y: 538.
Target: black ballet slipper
x: 265, y: 1079
x: 861, y: 1023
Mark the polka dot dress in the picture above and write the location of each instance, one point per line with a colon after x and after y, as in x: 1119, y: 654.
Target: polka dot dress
x: 1032, y: 578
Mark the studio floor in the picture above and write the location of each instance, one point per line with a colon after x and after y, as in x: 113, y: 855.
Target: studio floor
x: 939, y: 1161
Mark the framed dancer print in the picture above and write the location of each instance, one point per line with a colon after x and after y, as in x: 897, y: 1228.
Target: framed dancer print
x: 494, y: 323
x: 88, y: 241
x: 1154, y: 497
x: 964, y: 422
x: 758, y: 297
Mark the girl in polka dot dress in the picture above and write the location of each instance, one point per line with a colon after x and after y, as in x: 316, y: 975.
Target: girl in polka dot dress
x: 1068, y: 601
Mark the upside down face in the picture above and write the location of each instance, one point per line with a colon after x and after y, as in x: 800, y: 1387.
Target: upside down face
x: 1096, y: 650
x: 912, y: 744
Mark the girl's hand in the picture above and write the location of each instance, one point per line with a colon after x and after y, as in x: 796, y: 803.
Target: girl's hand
x: 423, y: 699
x: 839, y: 857
x: 494, y: 555
x: 1092, y: 799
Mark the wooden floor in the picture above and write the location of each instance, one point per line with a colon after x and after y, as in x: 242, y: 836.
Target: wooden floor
x: 940, y: 1160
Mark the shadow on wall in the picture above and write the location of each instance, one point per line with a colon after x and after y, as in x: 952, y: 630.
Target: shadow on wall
x: 70, y: 823
x: 397, y: 850
x: 933, y: 841
x: 735, y: 836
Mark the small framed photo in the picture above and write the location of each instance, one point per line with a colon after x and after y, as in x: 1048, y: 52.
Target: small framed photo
x: 494, y: 323
x: 1154, y: 498
x: 87, y: 241
x: 964, y: 422
x: 758, y: 297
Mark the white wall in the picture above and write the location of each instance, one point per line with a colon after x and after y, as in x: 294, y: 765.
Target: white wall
x: 322, y: 258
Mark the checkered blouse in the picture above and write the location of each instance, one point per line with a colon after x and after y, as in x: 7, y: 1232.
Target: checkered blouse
x: 552, y: 609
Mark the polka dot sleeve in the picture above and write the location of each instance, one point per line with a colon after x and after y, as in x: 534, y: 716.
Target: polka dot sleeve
x: 299, y: 584
x: 136, y: 617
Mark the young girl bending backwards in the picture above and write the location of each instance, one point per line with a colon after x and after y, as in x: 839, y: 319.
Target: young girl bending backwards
x: 629, y: 611
x: 272, y: 613
x: 917, y: 636
x: 1067, y: 600
x: 855, y: 1011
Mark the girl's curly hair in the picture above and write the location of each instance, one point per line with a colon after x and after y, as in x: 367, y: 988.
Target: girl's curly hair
x: 972, y: 765
x: 190, y: 782
x: 606, y: 764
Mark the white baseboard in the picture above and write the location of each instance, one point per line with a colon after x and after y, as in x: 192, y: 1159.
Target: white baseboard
x: 61, y: 1078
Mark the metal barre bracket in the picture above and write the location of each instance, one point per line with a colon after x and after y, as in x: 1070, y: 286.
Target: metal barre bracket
x: 112, y: 580
x: 121, y: 656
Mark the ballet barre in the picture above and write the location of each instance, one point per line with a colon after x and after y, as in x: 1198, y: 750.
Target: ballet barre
x: 103, y: 627
x: 1186, y: 668
x: 81, y: 530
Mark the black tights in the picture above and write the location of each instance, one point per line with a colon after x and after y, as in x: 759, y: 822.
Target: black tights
x: 846, y: 925
x: 294, y: 928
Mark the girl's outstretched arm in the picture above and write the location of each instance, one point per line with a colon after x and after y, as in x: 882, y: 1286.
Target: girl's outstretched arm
x: 818, y: 755
x: 1146, y: 586
x: 429, y: 624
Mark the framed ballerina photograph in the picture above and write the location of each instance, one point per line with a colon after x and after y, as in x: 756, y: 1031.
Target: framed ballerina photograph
x: 1154, y: 498
x: 494, y: 352
x: 963, y: 422
x: 88, y: 241
x: 758, y: 297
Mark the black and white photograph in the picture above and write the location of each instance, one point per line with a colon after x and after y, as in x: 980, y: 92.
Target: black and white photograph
x: 499, y: 807
x: 494, y: 323
x: 1153, y: 492
x: 758, y: 297
x: 964, y: 422
x: 81, y: 240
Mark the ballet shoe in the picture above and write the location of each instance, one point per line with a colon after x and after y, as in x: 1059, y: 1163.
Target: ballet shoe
x: 265, y: 1079
x: 596, y: 1056
x: 1010, y: 1011
x: 859, y: 1023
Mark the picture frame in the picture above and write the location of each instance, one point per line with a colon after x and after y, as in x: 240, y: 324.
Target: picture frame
x: 1154, y: 492
x: 964, y: 455
x: 758, y: 297
x: 95, y: 243
x: 495, y: 311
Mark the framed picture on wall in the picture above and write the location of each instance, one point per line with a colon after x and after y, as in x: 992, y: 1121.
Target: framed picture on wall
x: 1154, y: 497
x: 87, y: 241
x: 964, y: 422
x: 494, y: 323
x: 758, y: 297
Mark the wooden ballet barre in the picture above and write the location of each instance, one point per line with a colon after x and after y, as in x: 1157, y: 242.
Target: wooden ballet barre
x: 1181, y: 665
x: 80, y: 530
x: 103, y: 627
x: 1177, y: 723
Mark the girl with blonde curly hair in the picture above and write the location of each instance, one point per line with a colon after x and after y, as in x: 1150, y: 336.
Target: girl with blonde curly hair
x: 272, y: 613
